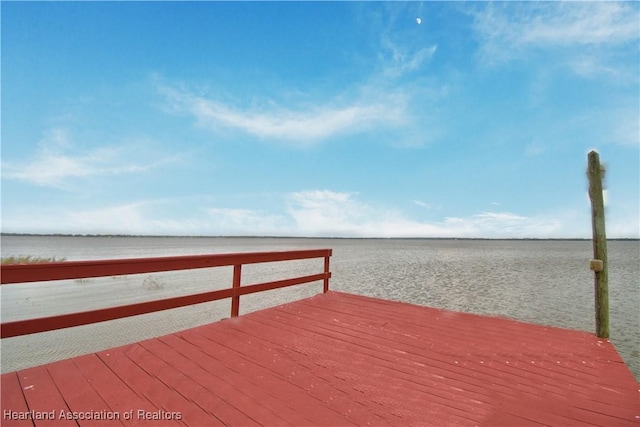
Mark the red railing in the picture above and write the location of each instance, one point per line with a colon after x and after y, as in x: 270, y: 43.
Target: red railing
x: 21, y: 273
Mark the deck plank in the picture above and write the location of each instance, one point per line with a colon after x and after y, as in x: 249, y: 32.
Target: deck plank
x: 13, y: 400
x: 254, y: 349
x: 418, y: 350
x: 528, y: 356
x: 43, y: 397
x: 254, y: 367
x: 339, y: 359
x: 350, y: 368
x: 80, y: 396
x: 225, y: 381
x: 112, y: 389
x: 193, y: 412
x: 150, y: 388
x: 188, y: 381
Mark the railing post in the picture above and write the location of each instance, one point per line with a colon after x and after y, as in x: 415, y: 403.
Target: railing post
x: 235, y: 299
x: 599, y: 263
x: 326, y: 272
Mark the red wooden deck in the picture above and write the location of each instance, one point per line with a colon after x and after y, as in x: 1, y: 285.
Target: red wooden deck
x: 337, y: 359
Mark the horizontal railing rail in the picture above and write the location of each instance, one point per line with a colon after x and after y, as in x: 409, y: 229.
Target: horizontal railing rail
x: 24, y: 273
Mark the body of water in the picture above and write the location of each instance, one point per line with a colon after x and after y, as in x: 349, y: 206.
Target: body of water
x: 539, y: 281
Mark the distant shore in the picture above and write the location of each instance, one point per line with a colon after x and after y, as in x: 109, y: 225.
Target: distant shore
x: 309, y: 237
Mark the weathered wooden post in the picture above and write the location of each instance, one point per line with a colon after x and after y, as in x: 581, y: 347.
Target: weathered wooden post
x: 599, y: 263
x: 326, y: 272
x: 235, y: 299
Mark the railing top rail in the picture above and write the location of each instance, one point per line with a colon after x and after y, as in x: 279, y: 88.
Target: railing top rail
x: 19, y: 273
x: 22, y: 273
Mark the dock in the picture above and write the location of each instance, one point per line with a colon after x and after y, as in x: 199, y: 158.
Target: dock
x: 334, y: 359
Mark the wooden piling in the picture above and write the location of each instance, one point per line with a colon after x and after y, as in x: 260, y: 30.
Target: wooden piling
x: 599, y: 264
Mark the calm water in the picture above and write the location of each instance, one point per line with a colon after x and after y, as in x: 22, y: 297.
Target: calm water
x: 544, y: 282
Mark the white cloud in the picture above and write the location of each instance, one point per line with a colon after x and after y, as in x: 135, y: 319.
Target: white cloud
x: 53, y: 164
x: 321, y: 213
x: 509, y: 30
x: 245, y: 221
x: 422, y: 204
x: 401, y: 50
x: 127, y: 218
x: 402, y: 60
x: 589, y: 66
x: 324, y: 212
x: 131, y: 218
x: 389, y: 96
x: 139, y: 217
x: 502, y: 224
x: 328, y: 213
x: 581, y: 23
x: 300, y: 125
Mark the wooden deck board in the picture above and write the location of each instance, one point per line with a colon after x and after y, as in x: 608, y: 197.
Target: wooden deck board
x: 258, y: 370
x: 43, y: 396
x: 410, y: 360
x: 13, y: 400
x: 284, y: 366
x: 223, y: 380
x: 281, y: 403
x: 78, y: 393
x: 198, y: 388
x: 340, y: 359
x: 365, y: 373
x: 149, y: 387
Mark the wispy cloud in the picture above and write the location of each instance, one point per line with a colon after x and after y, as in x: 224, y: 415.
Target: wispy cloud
x: 302, y: 124
x: 132, y: 218
x: 56, y: 162
x: 503, y: 224
x: 402, y: 60
x: 589, y: 23
x: 423, y: 204
x: 384, y: 98
x: 322, y: 213
x: 591, y: 66
x: 328, y: 213
x: 136, y: 217
x: 125, y: 218
x: 510, y: 30
x: 403, y: 44
x: 243, y: 221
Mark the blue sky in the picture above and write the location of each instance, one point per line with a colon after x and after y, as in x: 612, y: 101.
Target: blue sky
x: 344, y: 119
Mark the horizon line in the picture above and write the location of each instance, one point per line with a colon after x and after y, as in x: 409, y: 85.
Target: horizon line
x: 297, y: 237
